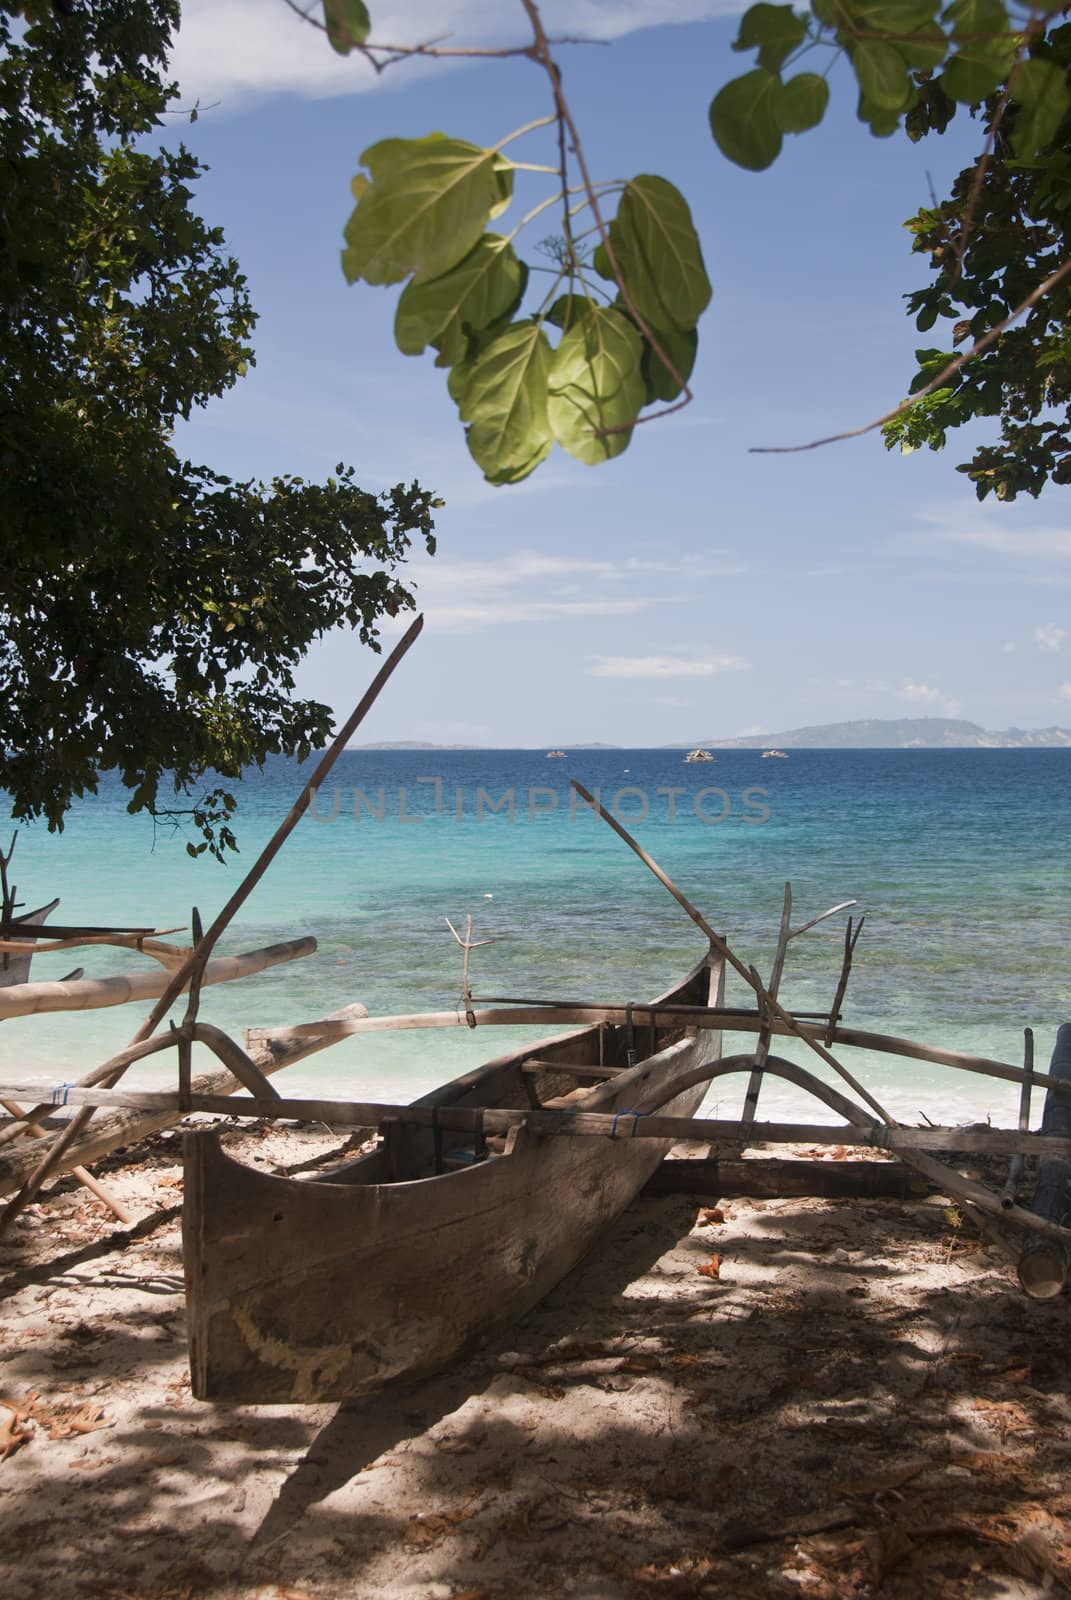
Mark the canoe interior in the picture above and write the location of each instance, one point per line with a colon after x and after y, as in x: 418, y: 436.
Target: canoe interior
x: 330, y: 1288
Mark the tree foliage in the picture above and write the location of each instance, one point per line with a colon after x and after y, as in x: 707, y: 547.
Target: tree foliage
x: 990, y: 246
x: 152, y: 612
x: 422, y: 214
x: 997, y: 239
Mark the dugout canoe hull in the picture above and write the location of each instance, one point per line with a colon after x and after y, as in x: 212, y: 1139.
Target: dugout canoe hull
x: 307, y: 1291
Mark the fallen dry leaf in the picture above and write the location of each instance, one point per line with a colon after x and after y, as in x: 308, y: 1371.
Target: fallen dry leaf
x: 710, y: 1216
x: 1014, y: 1374
x: 883, y: 1481
x: 426, y: 1527
x: 711, y: 1268
x: 14, y: 1432
x: 88, y: 1418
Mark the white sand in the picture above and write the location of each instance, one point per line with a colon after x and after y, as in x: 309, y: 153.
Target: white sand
x: 861, y: 1403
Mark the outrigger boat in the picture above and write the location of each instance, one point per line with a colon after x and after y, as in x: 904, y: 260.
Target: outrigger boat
x: 311, y: 1290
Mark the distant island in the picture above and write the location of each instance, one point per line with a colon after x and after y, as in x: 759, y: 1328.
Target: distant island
x: 898, y: 733
x: 420, y: 744
x: 891, y: 733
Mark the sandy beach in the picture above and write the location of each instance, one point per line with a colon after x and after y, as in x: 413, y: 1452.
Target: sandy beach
x: 749, y: 1398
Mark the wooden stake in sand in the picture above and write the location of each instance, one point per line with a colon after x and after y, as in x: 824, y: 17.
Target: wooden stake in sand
x: 192, y: 968
x: 1043, y: 1266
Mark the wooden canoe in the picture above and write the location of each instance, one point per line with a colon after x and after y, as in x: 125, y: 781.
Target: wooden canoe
x: 319, y: 1290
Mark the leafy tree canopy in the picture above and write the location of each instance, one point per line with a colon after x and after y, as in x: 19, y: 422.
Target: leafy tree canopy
x: 152, y: 612
x: 616, y: 329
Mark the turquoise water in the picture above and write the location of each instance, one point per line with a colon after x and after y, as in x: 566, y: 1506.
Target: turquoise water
x: 958, y: 858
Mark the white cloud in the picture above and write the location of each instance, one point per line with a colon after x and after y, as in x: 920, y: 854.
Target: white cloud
x: 665, y: 666
x: 1065, y: 691
x: 924, y: 694
x: 1047, y: 636
x: 238, y: 51
x: 982, y: 529
x: 525, y: 586
x: 1009, y: 647
x: 920, y: 694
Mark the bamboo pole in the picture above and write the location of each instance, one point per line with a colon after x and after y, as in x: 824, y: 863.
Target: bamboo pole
x: 128, y: 1126
x: 732, y: 1020
x: 193, y: 967
x: 722, y: 946
x: 91, y: 994
x: 566, y: 1123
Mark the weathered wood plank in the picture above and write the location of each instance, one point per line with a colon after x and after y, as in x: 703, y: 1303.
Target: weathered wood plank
x: 716, y: 1179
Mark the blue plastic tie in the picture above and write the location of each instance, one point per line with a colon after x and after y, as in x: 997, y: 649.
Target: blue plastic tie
x: 635, y: 1115
x: 62, y: 1089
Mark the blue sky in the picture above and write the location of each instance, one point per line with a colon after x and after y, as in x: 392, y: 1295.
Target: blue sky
x: 688, y: 589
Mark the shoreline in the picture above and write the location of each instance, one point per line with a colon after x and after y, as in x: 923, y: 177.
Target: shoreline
x: 747, y: 1398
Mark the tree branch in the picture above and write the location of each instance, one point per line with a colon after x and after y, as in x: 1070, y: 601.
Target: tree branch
x: 935, y: 383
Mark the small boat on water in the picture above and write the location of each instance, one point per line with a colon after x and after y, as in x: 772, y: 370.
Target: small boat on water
x: 324, y: 1289
x: 699, y: 755
x: 555, y: 755
x: 781, y: 754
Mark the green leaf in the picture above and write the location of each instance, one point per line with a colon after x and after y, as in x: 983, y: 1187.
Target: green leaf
x: 504, y: 170
x: 505, y: 400
x: 882, y: 74
x: 569, y: 309
x: 971, y: 18
x: 600, y: 260
x: 977, y: 70
x: 743, y: 119
x: 1040, y: 92
x: 659, y: 382
x: 657, y: 251
x: 986, y: 51
x: 441, y: 311
x: 883, y: 124
x: 348, y: 24
x: 892, y: 16
x: 776, y: 30
x: 803, y: 103
x: 380, y: 157
x: 925, y: 48
x: 428, y: 204
x: 595, y: 383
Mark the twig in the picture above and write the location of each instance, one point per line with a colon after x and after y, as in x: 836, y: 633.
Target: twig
x: 762, y: 1048
x: 935, y: 383
x: 541, y: 53
x: 850, y: 941
x: 467, y: 944
x: 432, y: 49
x: 193, y: 966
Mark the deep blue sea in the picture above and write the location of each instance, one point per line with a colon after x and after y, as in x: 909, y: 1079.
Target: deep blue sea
x: 960, y: 860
